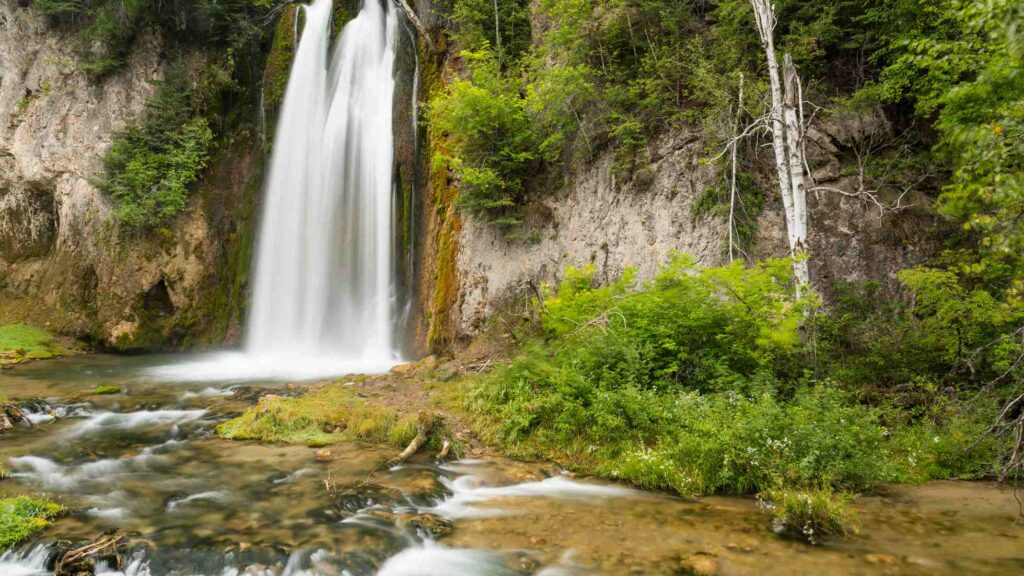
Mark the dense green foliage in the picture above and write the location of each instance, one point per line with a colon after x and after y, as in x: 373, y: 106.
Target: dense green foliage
x: 149, y: 168
x: 704, y: 382
x: 612, y: 74
x: 22, y: 517
x: 490, y: 134
x: 152, y: 165
x: 106, y: 30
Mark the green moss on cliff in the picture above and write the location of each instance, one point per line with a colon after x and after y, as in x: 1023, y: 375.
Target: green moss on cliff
x: 442, y: 193
x: 279, y: 61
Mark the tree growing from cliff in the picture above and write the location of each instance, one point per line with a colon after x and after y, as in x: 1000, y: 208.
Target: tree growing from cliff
x: 786, y: 114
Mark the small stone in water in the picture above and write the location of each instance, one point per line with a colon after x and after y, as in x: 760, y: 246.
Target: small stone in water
x: 323, y: 455
x: 700, y: 565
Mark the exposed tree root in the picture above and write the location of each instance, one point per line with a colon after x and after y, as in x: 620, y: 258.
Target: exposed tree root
x: 11, y: 415
x: 72, y: 562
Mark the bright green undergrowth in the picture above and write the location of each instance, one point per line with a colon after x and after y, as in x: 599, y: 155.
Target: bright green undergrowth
x: 719, y: 381
x: 29, y: 341
x: 21, y: 517
x: 325, y: 416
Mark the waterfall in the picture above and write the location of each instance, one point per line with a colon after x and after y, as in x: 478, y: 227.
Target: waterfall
x: 323, y: 272
x: 323, y: 299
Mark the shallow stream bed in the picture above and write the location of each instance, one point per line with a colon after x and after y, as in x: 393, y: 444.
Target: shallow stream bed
x: 146, y: 463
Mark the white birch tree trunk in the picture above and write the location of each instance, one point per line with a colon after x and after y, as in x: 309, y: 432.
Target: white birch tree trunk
x: 795, y: 153
x: 786, y: 142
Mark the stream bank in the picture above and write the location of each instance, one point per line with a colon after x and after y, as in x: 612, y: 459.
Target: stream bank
x: 146, y: 463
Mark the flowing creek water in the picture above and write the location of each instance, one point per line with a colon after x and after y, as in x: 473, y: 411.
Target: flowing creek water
x: 148, y: 463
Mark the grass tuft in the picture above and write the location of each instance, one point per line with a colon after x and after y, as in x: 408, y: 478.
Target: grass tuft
x: 812, y: 514
x: 21, y: 517
x: 28, y: 342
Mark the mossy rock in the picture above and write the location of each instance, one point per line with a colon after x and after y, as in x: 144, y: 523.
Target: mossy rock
x: 106, y: 389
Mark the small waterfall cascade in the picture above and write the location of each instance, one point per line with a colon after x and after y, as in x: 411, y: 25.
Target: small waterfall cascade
x: 324, y: 294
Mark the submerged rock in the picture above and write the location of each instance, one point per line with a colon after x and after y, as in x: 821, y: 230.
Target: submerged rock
x: 350, y: 500
x: 699, y: 565
x: 434, y: 525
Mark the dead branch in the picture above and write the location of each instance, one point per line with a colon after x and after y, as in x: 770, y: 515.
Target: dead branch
x: 417, y: 23
x: 73, y: 557
x: 424, y: 426
x: 511, y: 332
x: 445, y: 449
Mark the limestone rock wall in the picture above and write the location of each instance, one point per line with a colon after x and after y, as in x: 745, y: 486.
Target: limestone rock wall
x: 57, y: 244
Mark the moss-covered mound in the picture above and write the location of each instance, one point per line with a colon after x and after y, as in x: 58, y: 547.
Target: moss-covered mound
x: 324, y: 416
x: 21, y: 341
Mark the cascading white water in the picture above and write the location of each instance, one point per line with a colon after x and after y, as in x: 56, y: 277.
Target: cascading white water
x: 323, y: 272
x: 323, y: 293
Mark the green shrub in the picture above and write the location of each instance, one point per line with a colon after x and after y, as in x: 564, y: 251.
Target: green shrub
x: 477, y: 27
x: 150, y: 167
x: 491, y: 141
x: 21, y: 517
x: 702, y: 381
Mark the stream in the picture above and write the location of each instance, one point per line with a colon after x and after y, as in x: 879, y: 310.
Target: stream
x: 147, y: 463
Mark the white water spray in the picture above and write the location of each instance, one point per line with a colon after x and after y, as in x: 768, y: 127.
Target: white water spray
x: 323, y: 292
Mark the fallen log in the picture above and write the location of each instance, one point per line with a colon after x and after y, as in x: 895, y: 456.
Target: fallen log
x: 423, y: 428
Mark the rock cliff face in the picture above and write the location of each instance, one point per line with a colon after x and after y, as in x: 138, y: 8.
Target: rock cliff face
x: 57, y: 239
x: 61, y: 261
x: 596, y: 219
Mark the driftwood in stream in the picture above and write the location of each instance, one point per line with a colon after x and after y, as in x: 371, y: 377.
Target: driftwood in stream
x: 424, y: 426
x: 82, y: 560
x: 11, y: 415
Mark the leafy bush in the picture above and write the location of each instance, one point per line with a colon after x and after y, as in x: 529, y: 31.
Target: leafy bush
x: 702, y: 381
x: 150, y: 167
x: 491, y: 141
x: 502, y: 25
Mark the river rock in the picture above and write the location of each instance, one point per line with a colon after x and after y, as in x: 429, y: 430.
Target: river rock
x: 699, y: 565
x: 435, y: 525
